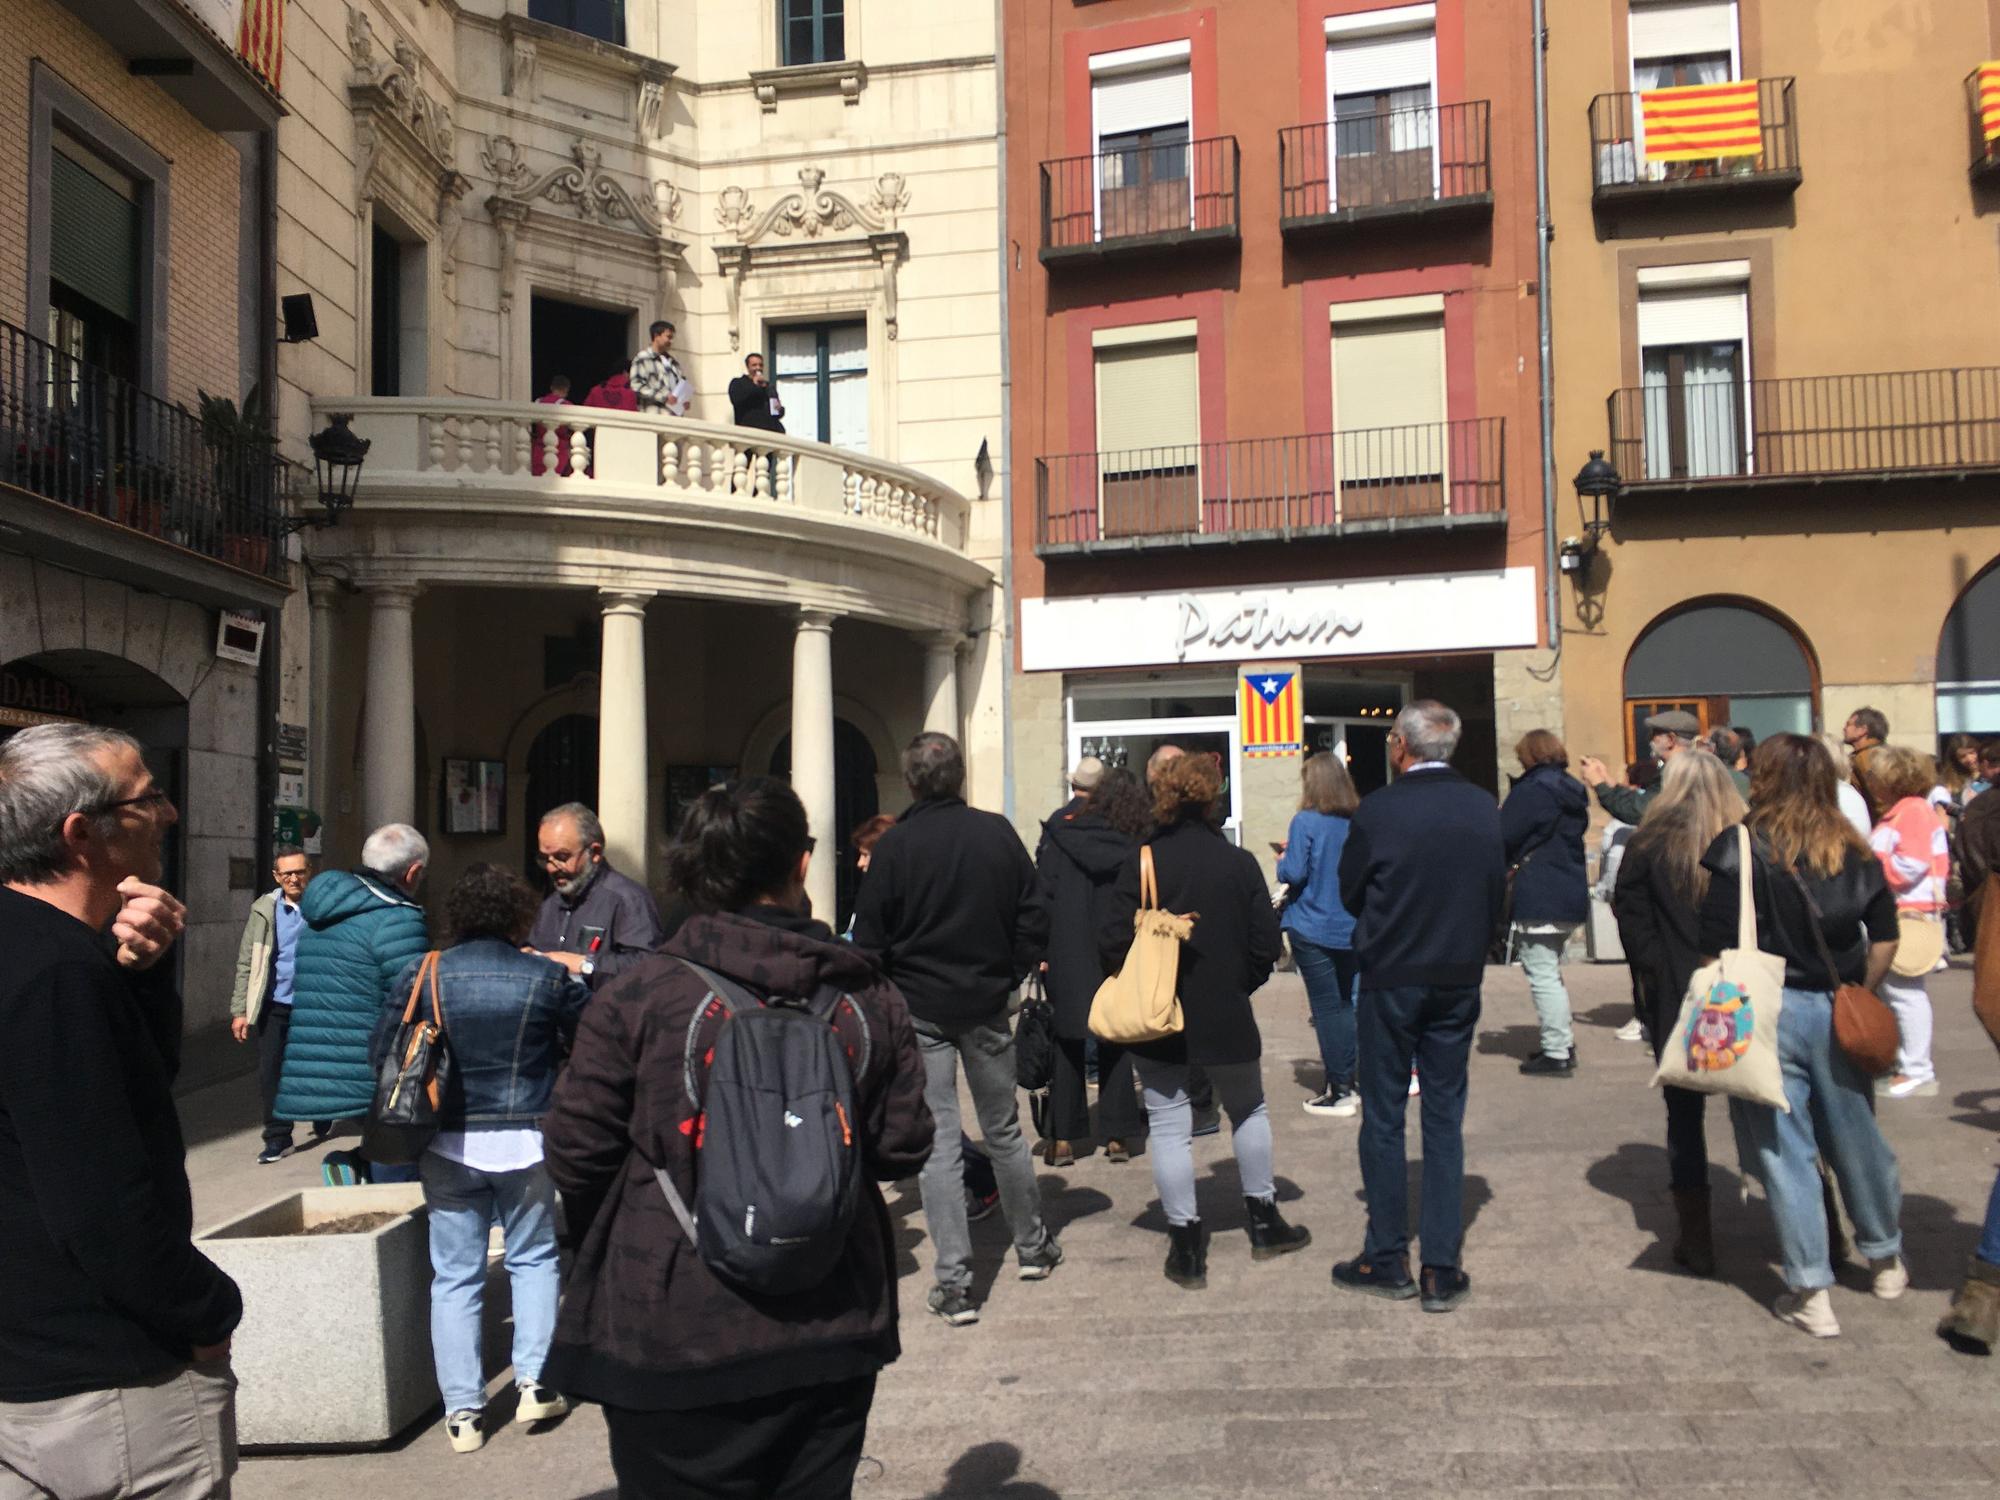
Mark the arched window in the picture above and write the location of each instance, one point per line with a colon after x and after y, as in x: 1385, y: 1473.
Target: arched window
x: 1725, y: 664
x: 1968, y: 662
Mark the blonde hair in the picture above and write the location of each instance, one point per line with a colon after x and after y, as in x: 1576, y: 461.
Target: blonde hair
x: 1697, y: 801
x: 1326, y: 787
x: 1895, y: 772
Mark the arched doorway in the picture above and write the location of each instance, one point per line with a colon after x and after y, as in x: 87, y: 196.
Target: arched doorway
x: 1968, y: 660
x: 1726, y: 663
x: 855, y: 800
x: 562, y: 767
x: 94, y: 687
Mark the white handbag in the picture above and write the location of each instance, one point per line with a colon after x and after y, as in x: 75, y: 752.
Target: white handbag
x: 1726, y: 1040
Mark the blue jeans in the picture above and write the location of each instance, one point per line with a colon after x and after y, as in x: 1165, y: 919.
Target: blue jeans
x: 464, y: 1204
x: 1329, y: 977
x: 1989, y: 1242
x: 1833, y: 1116
x: 1431, y: 1026
x: 1540, y: 954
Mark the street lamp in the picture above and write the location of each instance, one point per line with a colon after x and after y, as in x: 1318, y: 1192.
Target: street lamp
x: 1596, y: 482
x: 337, y: 459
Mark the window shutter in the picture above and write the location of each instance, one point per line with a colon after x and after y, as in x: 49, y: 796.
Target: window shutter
x: 1142, y: 101
x: 93, y: 237
x: 1377, y: 64
x: 1146, y: 399
x: 1709, y: 316
x: 1682, y: 28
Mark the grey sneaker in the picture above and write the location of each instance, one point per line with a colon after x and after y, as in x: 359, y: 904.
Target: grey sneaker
x: 951, y: 1304
x: 466, y: 1430
x: 1040, y: 1263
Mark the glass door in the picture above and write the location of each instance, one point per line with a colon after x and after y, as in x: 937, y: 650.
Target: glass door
x: 1362, y: 744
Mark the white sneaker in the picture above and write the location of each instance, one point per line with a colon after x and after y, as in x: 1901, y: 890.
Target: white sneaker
x: 1416, y: 1088
x: 467, y: 1431
x: 539, y: 1403
x: 1901, y: 1087
x: 1892, y: 1277
x: 1337, y: 1103
x: 1811, y: 1312
x: 1632, y: 1031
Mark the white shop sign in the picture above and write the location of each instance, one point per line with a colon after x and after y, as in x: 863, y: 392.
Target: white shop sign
x: 1367, y: 617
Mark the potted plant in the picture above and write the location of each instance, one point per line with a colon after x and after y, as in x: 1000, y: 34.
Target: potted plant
x: 242, y: 444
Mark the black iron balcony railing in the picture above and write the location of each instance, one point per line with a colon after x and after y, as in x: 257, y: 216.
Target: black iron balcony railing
x: 1816, y: 427
x: 1141, y: 197
x: 1621, y: 171
x: 1979, y: 101
x: 1398, y: 163
x: 81, y: 437
x: 1436, y: 474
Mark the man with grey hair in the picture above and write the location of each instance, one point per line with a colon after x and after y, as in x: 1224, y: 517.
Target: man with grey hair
x: 1423, y: 872
x: 595, y: 920
x: 362, y: 927
x: 114, y: 1329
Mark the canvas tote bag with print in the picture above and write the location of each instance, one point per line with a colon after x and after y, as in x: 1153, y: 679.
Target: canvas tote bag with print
x: 1726, y: 1040
x: 1141, y: 1002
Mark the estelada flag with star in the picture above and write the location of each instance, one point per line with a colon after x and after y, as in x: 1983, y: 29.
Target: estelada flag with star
x: 1271, y: 708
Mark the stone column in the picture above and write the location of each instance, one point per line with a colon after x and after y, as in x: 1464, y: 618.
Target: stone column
x: 622, y: 773
x: 389, y: 742
x: 325, y: 594
x: 812, y: 750
x: 941, y: 682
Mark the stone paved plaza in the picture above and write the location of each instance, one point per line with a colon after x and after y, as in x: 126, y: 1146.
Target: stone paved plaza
x: 1583, y: 1363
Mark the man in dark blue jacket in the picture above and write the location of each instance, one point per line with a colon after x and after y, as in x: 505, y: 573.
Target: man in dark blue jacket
x: 1423, y: 875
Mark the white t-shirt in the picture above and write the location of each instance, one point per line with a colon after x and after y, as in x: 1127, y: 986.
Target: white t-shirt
x: 1855, y: 807
x: 491, y: 1150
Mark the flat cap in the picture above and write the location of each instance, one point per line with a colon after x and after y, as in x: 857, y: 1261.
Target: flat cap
x: 1674, y: 721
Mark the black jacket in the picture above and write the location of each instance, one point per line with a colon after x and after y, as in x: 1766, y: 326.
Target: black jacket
x: 1544, y: 820
x: 1855, y: 910
x: 1660, y: 927
x: 1077, y: 875
x: 752, y: 404
x: 1424, y: 873
x: 614, y: 919
x: 950, y: 907
x: 1232, y: 951
x: 103, y: 1286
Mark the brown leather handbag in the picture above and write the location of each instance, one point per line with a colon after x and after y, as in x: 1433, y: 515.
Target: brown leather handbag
x: 1863, y: 1025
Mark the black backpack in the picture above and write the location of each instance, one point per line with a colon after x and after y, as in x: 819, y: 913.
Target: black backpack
x: 776, y: 1135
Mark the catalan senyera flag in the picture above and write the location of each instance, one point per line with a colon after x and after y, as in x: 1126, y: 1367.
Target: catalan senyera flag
x: 1270, y: 707
x: 1701, y: 120
x: 1988, y: 83
x: 260, y: 38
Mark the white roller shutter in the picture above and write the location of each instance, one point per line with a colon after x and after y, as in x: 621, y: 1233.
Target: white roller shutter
x: 1377, y: 64
x: 1682, y: 28
x: 1714, y: 315
x: 1388, y: 375
x: 1147, y: 399
x: 1142, y: 101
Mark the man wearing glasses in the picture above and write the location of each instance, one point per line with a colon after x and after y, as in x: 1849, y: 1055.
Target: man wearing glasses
x: 114, y: 1329
x: 594, y: 920
x: 266, y: 963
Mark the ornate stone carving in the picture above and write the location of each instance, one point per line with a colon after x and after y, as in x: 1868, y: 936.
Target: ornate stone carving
x: 850, y: 77
x: 508, y: 216
x: 891, y: 197
x: 814, y: 211
x: 451, y: 218
x: 582, y: 184
x: 652, y: 109
x: 522, y: 76
x: 393, y: 111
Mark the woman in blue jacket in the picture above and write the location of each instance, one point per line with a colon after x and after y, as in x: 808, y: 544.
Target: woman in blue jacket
x: 1321, y: 930
x: 1543, y: 822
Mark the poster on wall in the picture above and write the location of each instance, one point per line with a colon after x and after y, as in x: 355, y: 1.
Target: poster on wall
x: 475, y: 796
x: 1271, y: 708
x: 300, y: 826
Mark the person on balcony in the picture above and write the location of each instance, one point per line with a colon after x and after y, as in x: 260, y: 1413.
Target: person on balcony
x: 656, y: 376
x: 753, y: 400
x: 558, y: 395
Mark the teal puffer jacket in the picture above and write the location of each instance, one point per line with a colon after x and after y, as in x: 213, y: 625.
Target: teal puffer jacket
x: 360, y: 933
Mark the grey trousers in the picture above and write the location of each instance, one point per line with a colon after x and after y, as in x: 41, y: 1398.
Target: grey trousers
x: 1241, y: 1089
x: 171, y: 1439
x: 987, y: 1050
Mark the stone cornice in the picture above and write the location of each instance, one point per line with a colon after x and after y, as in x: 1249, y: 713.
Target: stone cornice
x: 771, y: 84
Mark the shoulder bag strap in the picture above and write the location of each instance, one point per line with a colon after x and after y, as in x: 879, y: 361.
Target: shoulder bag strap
x: 676, y: 1202
x: 1746, y: 900
x: 426, y: 972
x: 1833, y: 979
x: 1149, y: 880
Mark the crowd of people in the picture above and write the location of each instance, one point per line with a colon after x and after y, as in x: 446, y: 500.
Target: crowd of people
x: 733, y: 1297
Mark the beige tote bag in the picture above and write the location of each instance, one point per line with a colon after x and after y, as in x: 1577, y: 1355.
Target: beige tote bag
x: 1141, y: 1002
x: 1726, y: 1040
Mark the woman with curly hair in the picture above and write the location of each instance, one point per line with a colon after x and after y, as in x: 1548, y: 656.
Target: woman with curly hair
x: 1232, y: 950
x: 507, y: 1015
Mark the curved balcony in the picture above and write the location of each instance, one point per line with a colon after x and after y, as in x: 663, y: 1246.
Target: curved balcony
x: 483, y: 491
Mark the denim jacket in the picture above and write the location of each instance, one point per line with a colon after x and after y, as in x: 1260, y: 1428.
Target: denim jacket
x: 507, y: 1017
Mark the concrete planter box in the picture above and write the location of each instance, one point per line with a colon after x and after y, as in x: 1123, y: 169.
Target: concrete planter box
x: 335, y: 1346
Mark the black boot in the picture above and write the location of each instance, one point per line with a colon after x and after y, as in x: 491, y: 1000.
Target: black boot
x: 1695, y: 1250
x: 1187, y: 1256
x: 1270, y: 1235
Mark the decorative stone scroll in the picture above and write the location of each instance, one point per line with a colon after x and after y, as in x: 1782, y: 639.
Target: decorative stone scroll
x: 596, y: 197
x: 814, y: 213
x: 403, y: 134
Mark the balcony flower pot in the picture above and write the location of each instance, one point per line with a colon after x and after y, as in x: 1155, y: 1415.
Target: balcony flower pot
x: 139, y: 511
x: 334, y: 1349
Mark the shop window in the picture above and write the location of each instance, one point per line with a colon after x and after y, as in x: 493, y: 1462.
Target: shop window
x: 603, y: 19
x: 1968, y: 661
x: 822, y: 376
x: 1142, y: 117
x: 1388, y: 415
x: 1726, y: 664
x: 1148, y: 436
x: 814, y: 31
x: 1381, y: 86
x: 1694, y: 344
